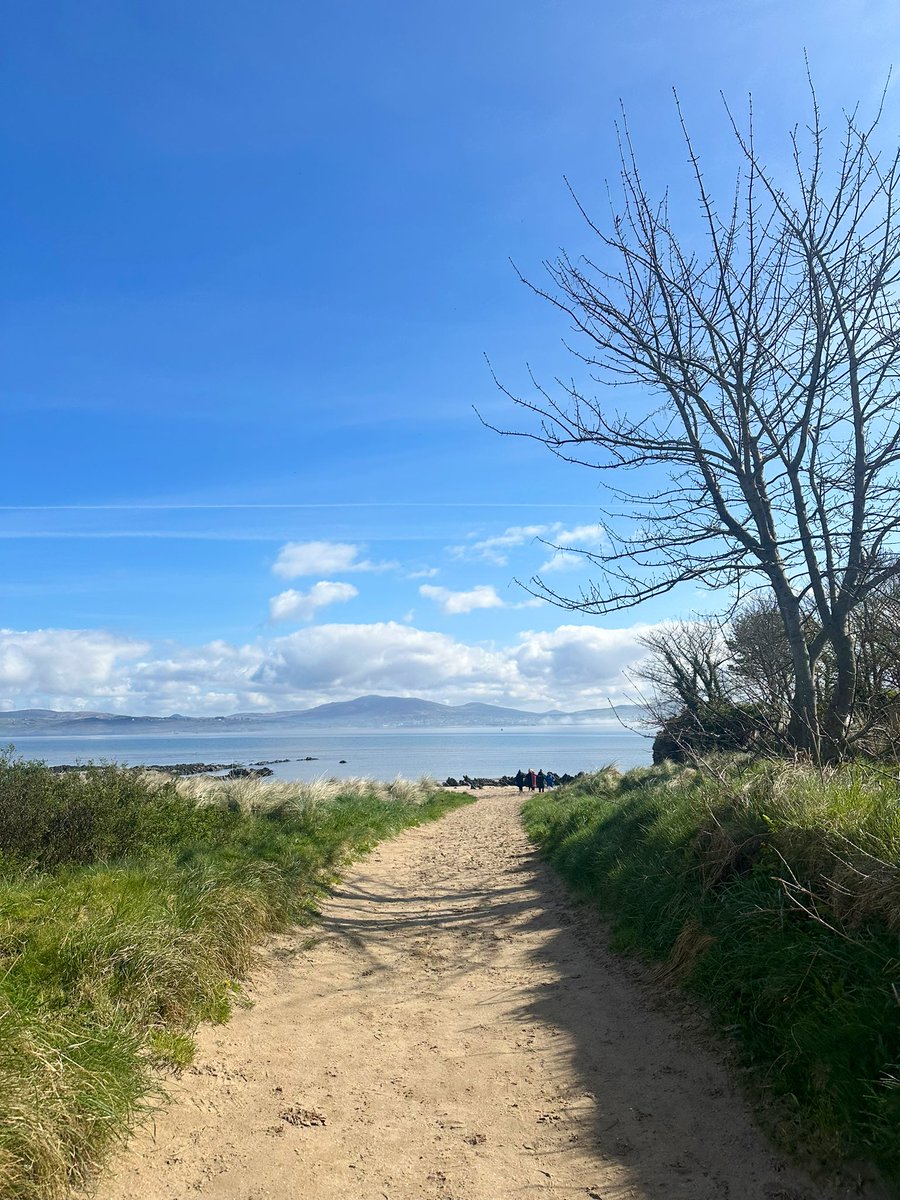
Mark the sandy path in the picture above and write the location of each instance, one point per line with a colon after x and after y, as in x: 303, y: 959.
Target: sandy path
x: 453, y: 1031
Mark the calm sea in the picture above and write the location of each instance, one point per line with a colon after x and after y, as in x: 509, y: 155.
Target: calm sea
x: 375, y: 754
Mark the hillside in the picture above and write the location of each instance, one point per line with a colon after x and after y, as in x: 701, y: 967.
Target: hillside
x: 366, y: 712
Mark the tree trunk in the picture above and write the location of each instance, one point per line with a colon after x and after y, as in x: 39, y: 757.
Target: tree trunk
x: 836, y: 720
x: 803, y: 730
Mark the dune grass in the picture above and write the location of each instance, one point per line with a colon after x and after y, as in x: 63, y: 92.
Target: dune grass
x: 130, y: 908
x: 773, y: 893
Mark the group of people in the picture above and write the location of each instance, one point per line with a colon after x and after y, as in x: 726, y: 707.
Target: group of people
x: 528, y: 779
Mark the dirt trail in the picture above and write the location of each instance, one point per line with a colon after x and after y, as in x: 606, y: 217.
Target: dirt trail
x: 453, y: 1031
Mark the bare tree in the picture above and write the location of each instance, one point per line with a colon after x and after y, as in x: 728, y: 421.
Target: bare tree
x: 764, y: 435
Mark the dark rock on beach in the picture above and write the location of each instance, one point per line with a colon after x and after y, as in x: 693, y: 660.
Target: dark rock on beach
x: 502, y: 781
x: 231, y: 770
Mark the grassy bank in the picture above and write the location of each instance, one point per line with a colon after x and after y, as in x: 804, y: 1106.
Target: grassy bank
x: 130, y: 907
x: 773, y: 894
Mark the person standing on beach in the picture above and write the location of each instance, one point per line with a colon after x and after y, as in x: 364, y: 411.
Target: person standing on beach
x: 532, y: 779
x: 520, y: 779
x: 541, y: 779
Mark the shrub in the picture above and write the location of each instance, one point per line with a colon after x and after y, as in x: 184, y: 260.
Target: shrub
x: 714, y: 728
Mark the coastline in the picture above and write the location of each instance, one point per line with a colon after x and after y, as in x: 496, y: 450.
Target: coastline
x: 263, y: 769
x: 373, y: 754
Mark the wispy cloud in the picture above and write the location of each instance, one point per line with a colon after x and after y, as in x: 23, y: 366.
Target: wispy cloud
x: 568, y: 542
x: 494, y: 549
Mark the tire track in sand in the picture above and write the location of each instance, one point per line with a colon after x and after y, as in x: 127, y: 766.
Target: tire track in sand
x: 453, y: 1030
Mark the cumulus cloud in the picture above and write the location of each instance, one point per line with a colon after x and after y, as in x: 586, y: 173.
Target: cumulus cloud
x: 63, y: 662
x: 302, y: 606
x: 482, y: 596
x: 570, y: 667
x: 579, y: 660
x: 381, y: 657
x: 296, y: 559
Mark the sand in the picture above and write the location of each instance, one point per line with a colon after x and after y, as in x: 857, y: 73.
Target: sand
x: 453, y: 1029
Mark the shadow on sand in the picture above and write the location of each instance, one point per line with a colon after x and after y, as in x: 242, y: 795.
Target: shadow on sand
x: 632, y: 1070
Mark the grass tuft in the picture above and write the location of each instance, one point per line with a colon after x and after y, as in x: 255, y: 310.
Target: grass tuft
x: 772, y: 892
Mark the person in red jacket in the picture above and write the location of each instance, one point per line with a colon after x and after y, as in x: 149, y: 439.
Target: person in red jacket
x: 532, y: 779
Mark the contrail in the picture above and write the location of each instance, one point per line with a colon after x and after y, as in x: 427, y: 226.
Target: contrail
x: 263, y: 507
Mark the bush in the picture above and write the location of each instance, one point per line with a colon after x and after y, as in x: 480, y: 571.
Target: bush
x: 100, y: 813
x: 714, y: 728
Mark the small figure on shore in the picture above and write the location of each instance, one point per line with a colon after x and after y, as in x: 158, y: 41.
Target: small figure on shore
x: 541, y: 779
x: 532, y: 779
x: 551, y: 779
x: 520, y: 779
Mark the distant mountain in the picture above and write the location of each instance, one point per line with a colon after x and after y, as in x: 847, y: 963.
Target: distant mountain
x: 366, y: 712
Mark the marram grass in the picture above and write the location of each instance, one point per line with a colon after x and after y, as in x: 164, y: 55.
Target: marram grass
x: 773, y: 893
x: 130, y: 907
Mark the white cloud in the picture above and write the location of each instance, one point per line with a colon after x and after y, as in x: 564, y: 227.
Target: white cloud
x: 424, y: 573
x: 322, y: 558
x: 581, y: 537
x: 578, y: 537
x: 579, y: 659
x: 591, y: 537
x: 570, y: 667
x: 71, y: 662
x: 561, y: 560
x: 482, y: 596
x: 382, y: 657
x: 293, y: 605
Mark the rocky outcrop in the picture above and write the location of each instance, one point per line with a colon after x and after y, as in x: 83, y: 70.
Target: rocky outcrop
x: 231, y: 770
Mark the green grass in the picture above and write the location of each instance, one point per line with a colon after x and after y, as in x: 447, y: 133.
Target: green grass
x: 130, y: 909
x: 773, y: 893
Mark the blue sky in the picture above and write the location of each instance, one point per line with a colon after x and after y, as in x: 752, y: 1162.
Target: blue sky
x: 254, y: 258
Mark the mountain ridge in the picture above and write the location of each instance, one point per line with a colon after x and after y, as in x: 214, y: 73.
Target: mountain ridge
x: 371, y: 711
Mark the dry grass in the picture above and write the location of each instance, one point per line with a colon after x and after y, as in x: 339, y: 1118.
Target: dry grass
x: 270, y: 795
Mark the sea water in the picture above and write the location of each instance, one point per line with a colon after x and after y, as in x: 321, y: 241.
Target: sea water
x: 372, y: 753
